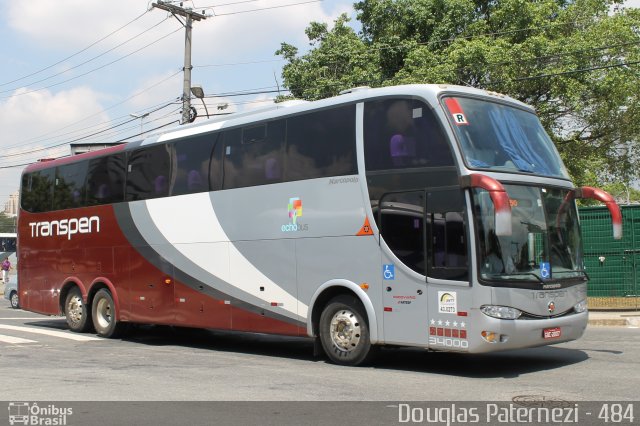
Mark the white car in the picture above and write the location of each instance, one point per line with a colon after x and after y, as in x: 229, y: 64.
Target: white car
x: 11, y: 293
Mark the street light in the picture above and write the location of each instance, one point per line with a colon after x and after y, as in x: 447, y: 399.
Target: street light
x: 198, y: 92
x: 141, y: 117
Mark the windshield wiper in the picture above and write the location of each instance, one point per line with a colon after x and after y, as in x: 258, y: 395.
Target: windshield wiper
x: 573, y: 272
x: 507, y: 276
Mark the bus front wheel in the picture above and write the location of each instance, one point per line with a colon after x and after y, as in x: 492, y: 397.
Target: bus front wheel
x: 344, y: 331
x: 76, y: 312
x: 104, y: 315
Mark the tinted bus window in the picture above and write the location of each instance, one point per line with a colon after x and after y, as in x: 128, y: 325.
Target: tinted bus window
x: 192, y: 158
x: 401, y: 222
x: 446, y: 227
x: 401, y: 133
x: 105, y: 180
x: 149, y: 173
x: 37, y: 191
x: 321, y: 143
x: 253, y: 155
x: 69, y: 189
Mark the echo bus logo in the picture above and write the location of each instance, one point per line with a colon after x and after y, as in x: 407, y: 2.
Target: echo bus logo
x: 68, y: 227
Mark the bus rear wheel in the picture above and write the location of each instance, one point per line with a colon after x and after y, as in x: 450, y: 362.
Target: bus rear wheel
x: 13, y: 297
x: 104, y: 315
x: 344, y: 331
x: 76, y: 312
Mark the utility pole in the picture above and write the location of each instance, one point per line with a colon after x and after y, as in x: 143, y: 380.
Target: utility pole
x: 189, y: 16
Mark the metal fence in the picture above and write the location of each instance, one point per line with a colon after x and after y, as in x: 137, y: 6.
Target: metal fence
x: 611, y: 264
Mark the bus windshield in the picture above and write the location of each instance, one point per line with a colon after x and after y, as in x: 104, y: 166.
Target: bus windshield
x: 498, y: 137
x: 545, y: 243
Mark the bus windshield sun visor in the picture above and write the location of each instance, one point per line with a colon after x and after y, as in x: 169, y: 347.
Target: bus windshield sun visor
x: 587, y: 192
x: 499, y: 197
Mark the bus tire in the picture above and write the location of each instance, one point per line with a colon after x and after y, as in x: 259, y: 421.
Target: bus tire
x: 103, y: 310
x: 13, y: 298
x: 344, y: 331
x: 76, y: 312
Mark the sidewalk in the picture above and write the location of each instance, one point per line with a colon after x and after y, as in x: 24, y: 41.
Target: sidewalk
x: 614, y: 319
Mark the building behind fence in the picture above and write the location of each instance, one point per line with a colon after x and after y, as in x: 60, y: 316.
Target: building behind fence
x: 610, y: 264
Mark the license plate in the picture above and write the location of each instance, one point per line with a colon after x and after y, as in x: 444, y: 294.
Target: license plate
x: 551, y: 333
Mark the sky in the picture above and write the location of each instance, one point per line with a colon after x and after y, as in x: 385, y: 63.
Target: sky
x: 71, y: 70
x: 75, y: 70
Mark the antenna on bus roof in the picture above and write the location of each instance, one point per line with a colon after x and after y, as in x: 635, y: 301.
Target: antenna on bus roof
x: 354, y: 89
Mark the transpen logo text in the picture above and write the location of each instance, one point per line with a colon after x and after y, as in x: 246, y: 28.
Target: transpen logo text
x: 68, y: 227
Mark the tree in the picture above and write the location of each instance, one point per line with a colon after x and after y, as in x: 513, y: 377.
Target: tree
x: 576, y: 61
x: 7, y: 223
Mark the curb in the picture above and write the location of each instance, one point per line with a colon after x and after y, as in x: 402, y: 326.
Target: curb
x: 622, y: 321
x: 617, y: 322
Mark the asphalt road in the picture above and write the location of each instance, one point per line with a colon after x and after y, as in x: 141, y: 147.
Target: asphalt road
x: 162, y: 375
x: 174, y: 364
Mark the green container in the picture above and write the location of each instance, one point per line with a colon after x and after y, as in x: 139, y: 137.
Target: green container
x: 611, y: 264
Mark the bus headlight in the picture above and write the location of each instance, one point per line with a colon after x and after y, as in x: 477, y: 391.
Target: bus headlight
x: 580, y: 306
x: 501, y: 312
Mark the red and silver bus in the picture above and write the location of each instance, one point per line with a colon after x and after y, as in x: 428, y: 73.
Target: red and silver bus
x: 432, y: 216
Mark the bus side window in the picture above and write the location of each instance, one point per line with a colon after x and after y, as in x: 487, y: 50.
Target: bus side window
x: 37, y: 191
x: 401, y: 133
x: 69, y: 189
x: 401, y: 221
x: 149, y: 173
x: 105, y: 180
x: 253, y: 155
x: 321, y: 144
x: 447, y: 256
x: 191, y: 163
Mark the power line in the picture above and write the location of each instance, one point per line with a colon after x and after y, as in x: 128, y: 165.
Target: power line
x: 90, y: 71
x: 77, y: 139
x: 240, y: 63
x: 259, y: 9
x: 78, y: 52
x: 35, y: 139
x: 601, y: 67
x: 91, y: 59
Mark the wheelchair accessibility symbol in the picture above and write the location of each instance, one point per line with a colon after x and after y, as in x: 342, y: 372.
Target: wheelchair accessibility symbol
x: 389, y: 272
x: 545, y: 270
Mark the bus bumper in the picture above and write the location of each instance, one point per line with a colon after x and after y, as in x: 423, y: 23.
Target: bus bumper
x: 487, y: 334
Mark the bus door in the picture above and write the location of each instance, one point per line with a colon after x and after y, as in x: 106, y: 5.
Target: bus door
x: 401, y: 221
x: 450, y: 295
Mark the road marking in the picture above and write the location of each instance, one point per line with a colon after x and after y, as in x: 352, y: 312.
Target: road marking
x: 63, y: 334
x: 15, y: 340
x: 33, y: 318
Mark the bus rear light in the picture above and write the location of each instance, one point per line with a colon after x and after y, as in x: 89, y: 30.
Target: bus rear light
x: 501, y: 312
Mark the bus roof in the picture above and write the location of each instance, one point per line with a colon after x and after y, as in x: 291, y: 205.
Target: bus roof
x: 284, y: 108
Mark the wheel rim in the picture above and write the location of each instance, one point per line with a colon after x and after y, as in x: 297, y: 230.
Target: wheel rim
x: 345, y: 330
x: 75, y: 309
x: 14, y: 300
x: 103, y: 313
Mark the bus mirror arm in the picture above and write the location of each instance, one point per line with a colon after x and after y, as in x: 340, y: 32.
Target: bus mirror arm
x: 499, y: 197
x: 587, y: 192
